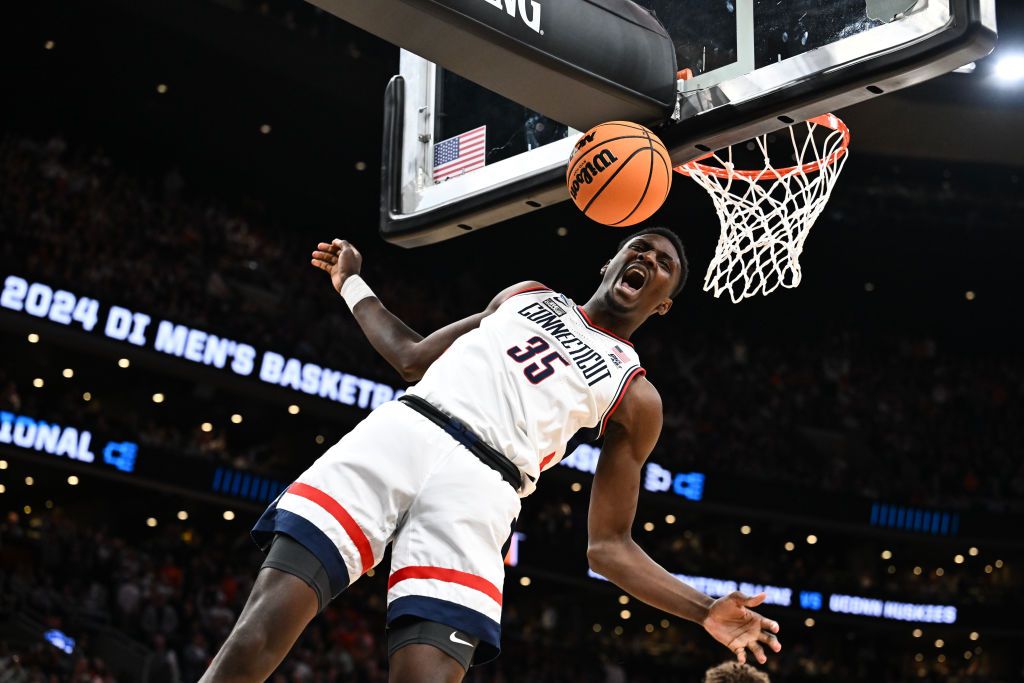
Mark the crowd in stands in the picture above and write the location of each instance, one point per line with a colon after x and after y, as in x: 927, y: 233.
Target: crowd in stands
x: 178, y: 590
x: 919, y: 423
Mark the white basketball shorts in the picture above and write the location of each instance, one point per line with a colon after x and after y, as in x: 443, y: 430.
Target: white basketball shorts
x: 399, y: 478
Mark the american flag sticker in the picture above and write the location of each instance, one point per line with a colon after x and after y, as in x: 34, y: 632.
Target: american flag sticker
x: 460, y: 154
x: 620, y: 353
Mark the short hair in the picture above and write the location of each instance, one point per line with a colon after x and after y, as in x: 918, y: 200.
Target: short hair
x: 684, y: 270
x: 734, y: 672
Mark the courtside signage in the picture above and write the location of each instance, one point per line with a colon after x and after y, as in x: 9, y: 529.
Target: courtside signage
x: 51, y: 438
x: 657, y: 479
x: 191, y: 344
x: 812, y: 600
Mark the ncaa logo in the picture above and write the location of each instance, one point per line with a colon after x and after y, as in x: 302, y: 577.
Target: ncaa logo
x: 531, y: 18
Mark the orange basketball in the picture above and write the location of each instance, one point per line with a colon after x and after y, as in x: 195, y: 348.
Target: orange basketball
x: 619, y: 173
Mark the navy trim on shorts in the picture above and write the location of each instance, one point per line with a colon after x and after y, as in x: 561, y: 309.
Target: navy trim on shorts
x: 275, y: 521
x: 457, y: 616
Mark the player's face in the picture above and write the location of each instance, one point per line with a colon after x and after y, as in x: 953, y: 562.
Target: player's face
x: 642, y: 275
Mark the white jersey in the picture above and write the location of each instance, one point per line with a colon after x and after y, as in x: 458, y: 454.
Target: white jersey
x: 533, y: 376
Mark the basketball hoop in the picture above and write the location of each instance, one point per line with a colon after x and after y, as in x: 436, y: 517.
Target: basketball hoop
x: 766, y: 214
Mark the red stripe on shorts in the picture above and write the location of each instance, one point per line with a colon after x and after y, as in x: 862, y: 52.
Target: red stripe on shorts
x: 451, y: 576
x: 546, y: 460
x: 344, y: 519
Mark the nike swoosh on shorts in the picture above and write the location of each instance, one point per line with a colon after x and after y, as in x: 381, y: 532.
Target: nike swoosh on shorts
x: 456, y: 639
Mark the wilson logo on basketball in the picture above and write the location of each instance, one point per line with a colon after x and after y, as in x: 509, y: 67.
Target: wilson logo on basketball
x: 532, y: 21
x: 601, y: 161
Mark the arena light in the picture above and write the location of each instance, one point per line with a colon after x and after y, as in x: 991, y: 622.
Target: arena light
x: 917, y: 633
x: 975, y: 635
x: 790, y: 546
x: 670, y: 519
x: 649, y: 526
x: 625, y: 614
x: 576, y: 487
x: 151, y: 522
x: 68, y: 373
x: 29, y: 481
x: 293, y: 409
x: 158, y: 398
x: 72, y: 480
x: 886, y: 554
x: 207, y: 427
x: 33, y: 338
x: 319, y: 439
x: 812, y: 539
x: 665, y: 623
x: 623, y: 599
x: 3, y: 489
x: 182, y: 515
x: 745, y: 530
x: 3, y: 464
x: 236, y: 419
x: 38, y: 383
x: 161, y: 88
x: 123, y: 363
x: 229, y: 515
x: 265, y: 129
x: 524, y: 581
x: 49, y: 45
x: 86, y: 396
x: 809, y: 622
x: 1010, y: 69
x: 973, y: 552
x: 27, y: 509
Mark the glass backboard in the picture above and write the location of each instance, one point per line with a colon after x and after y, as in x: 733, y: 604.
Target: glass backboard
x: 754, y: 66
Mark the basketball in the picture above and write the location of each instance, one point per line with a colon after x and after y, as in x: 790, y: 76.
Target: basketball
x: 619, y: 173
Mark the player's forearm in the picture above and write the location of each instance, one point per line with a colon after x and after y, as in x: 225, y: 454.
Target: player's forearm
x: 390, y: 337
x: 626, y: 565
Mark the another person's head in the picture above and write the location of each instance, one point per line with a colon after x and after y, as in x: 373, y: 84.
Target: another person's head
x: 734, y: 672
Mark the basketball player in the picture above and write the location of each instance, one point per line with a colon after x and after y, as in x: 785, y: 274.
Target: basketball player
x: 440, y: 472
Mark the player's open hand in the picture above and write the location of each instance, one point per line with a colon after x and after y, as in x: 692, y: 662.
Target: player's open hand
x: 340, y: 259
x: 732, y: 623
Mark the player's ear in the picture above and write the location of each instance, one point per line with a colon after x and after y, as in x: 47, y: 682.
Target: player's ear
x: 664, y: 307
x: 604, y: 268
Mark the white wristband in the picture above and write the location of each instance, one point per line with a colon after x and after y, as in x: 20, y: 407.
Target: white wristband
x: 355, y: 290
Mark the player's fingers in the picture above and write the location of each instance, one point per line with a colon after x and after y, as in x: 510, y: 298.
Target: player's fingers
x: 756, y: 600
x: 324, y: 256
x: 771, y: 641
x: 758, y: 651
x: 324, y: 246
x: 741, y: 655
x: 769, y: 624
x: 321, y: 265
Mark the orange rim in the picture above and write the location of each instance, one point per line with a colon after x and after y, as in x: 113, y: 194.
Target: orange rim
x: 830, y: 121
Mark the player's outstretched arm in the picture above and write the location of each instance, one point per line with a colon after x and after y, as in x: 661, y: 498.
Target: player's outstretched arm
x: 407, y: 351
x: 629, y: 440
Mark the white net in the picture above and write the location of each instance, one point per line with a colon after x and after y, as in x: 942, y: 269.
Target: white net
x: 767, y: 214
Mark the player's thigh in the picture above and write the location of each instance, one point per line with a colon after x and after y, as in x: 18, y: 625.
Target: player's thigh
x: 345, y: 507
x: 447, y: 562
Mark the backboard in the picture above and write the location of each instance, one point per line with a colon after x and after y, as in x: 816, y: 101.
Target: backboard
x: 754, y: 66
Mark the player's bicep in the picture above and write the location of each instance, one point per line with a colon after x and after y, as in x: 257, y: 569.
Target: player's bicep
x: 629, y: 440
x: 616, y: 488
x: 428, y: 349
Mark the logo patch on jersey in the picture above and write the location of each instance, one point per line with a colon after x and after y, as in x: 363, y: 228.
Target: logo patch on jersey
x: 618, y: 356
x: 553, y: 307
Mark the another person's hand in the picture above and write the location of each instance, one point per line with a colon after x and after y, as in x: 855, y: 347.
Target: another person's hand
x: 340, y: 259
x: 731, y: 622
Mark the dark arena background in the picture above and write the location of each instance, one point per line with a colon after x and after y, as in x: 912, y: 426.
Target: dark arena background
x: 854, y: 447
